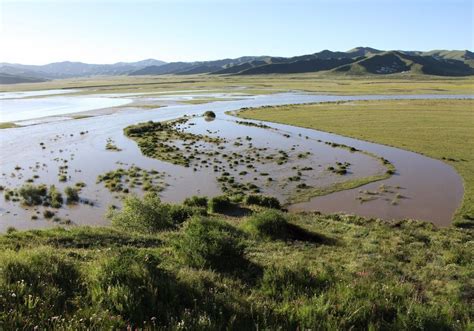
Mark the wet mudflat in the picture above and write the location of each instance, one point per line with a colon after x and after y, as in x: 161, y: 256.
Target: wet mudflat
x: 75, y: 151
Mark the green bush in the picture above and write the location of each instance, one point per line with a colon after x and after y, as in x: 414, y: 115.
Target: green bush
x: 220, y: 204
x: 196, y: 201
x: 142, y: 215
x: 263, y: 201
x: 180, y: 213
x: 206, y: 243
x: 268, y: 224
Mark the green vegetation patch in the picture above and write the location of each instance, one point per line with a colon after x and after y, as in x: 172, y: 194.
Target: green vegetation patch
x: 8, y: 125
x: 124, y: 180
x: 156, y: 139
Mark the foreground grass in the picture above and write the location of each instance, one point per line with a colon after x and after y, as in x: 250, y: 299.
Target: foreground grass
x: 440, y: 129
x: 159, y: 270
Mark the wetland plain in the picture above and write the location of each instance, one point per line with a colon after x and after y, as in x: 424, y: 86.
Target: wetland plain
x: 162, y: 141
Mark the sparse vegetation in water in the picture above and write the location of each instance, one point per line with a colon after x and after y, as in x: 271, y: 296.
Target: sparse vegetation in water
x: 156, y: 139
x: 407, y: 124
x: 110, y: 145
x: 72, y: 195
x: 257, y: 125
x: 125, y: 180
x: 40, y: 195
x: 340, y: 168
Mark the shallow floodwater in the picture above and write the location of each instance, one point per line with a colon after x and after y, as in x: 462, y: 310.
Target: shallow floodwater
x: 13, y: 110
x: 431, y: 190
x: 19, y: 95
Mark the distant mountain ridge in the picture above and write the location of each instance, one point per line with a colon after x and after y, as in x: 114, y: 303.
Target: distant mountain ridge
x: 357, y: 61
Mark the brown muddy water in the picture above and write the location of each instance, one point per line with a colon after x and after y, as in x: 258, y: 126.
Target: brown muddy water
x: 422, y: 188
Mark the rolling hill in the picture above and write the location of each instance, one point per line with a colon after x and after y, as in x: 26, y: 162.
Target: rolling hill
x: 356, y: 61
x: 16, y: 79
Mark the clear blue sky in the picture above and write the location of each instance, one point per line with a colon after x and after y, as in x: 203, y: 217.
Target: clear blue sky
x: 37, y: 32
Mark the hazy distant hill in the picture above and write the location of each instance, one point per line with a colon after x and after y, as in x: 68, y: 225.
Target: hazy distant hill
x: 68, y: 69
x: 16, y: 79
x: 356, y: 61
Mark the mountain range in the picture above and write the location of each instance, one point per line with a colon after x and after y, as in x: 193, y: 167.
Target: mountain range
x: 357, y: 61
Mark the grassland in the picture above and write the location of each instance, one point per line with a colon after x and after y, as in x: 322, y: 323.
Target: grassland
x: 159, y: 267
x: 8, y: 125
x: 440, y: 129
x: 317, y: 83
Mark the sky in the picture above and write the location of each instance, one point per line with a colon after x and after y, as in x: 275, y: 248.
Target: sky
x: 107, y: 31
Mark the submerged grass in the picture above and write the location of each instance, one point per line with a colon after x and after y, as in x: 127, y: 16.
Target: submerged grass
x: 269, y: 270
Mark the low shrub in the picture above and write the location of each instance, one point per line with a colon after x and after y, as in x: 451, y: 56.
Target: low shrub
x: 180, y: 213
x: 268, y: 224
x: 220, y: 204
x: 206, y: 243
x: 263, y: 201
x: 142, y: 215
x: 196, y: 201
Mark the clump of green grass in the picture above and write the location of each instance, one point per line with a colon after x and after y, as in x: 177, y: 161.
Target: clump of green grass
x: 207, y: 243
x: 220, y: 204
x: 263, y: 201
x: 150, y: 215
x: 110, y: 145
x: 72, y: 194
x: 196, y: 201
x: 55, y: 198
x: 142, y: 215
x: 33, y: 195
x: 269, y: 224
